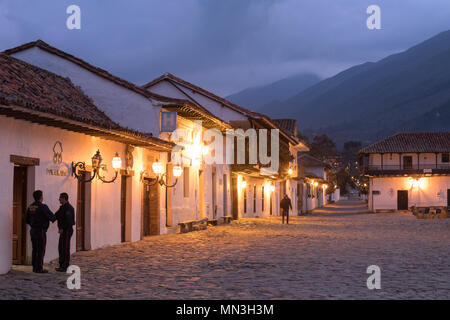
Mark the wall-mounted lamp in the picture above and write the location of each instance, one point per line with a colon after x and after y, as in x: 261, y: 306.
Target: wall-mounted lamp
x: 243, y: 184
x: 272, y: 188
x: 416, y: 183
x: 96, y: 167
x: 290, y: 171
x: 161, y: 178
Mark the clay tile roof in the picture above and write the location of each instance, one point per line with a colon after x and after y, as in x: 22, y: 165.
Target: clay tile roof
x: 38, y: 89
x: 289, y: 125
x: 229, y: 104
x: 100, y: 72
x: 426, y: 142
x: 306, y: 160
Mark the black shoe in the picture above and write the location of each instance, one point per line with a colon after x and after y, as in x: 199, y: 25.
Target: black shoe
x: 41, y: 271
x: 60, y: 269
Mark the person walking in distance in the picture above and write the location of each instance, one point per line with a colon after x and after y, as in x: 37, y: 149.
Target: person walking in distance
x: 285, y: 206
x: 66, y: 220
x: 39, y: 217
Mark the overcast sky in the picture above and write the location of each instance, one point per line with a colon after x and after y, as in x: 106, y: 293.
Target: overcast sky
x: 223, y: 45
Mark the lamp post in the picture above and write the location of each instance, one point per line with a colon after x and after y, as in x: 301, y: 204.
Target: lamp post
x: 96, y: 167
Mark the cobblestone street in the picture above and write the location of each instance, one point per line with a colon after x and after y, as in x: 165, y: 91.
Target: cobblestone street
x: 320, y: 256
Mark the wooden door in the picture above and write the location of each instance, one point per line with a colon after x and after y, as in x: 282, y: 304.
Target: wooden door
x: 146, y: 210
x: 234, y: 196
x: 150, y: 209
x: 19, y: 209
x: 448, y: 198
x: 123, y: 207
x: 407, y: 163
x: 201, y: 194
x: 214, y: 199
x: 402, y: 200
x: 81, y: 214
x: 225, y: 198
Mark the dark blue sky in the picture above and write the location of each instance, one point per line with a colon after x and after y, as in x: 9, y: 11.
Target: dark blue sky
x: 224, y: 45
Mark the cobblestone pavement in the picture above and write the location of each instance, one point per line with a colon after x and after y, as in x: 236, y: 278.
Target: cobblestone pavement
x: 320, y: 256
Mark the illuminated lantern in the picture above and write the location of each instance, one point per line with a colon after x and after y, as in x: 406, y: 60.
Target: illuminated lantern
x: 117, y: 162
x: 157, y: 167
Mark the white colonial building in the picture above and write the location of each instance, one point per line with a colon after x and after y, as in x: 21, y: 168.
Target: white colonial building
x: 252, y: 193
x: 46, y: 125
x: 408, y: 169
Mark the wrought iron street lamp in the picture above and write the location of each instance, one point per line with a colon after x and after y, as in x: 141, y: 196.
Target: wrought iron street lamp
x: 162, y: 178
x: 96, y: 167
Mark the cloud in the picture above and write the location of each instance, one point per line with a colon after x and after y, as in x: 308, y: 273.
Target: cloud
x: 224, y: 46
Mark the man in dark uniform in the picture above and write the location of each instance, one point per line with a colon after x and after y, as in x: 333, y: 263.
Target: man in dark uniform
x: 39, y: 217
x: 285, y: 205
x: 66, y: 219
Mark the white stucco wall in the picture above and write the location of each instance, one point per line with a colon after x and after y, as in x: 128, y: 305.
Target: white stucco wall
x: 122, y: 105
x: 36, y: 141
x: 432, y: 192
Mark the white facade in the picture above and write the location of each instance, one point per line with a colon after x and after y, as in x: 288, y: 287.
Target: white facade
x: 227, y: 114
x: 103, y: 201
x: 421, y: 181
x: 430, y: 191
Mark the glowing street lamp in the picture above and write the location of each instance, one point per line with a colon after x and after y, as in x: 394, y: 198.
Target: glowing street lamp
x: 96, y: 167
x: 161, y: 178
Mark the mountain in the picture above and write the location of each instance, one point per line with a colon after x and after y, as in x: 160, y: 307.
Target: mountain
x: 408, y: 91
x: 258, y: 97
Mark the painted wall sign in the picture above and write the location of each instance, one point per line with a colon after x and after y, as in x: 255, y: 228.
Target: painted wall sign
x: 57, y: 172
x: 57, y: 161
x: 168, y: 121
x: 57, y: 153
x: 376, y: 192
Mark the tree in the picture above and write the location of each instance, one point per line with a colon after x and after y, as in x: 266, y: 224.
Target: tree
x: 322, y: 147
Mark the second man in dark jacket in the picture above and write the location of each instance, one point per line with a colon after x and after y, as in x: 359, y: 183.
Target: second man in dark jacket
x: 66, y: 220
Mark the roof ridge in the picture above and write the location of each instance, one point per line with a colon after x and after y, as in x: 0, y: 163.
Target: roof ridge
x: 86, y: 65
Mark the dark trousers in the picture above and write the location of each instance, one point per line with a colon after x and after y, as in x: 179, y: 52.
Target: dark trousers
x: 64, y: 247
x: 285, y: 213
x: 38, y: 241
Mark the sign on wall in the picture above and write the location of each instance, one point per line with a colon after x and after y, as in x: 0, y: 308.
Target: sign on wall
x: 168, y: 121
x: 57, y: 161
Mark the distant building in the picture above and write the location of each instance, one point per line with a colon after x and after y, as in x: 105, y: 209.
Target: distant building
x: 408, y: 169
x: 313, y: 183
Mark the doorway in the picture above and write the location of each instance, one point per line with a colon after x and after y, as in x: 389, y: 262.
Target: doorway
x: 150, y: 208
x: 123, y: 207
x: 80, y: 220
x: 214, y: 189
x: 225, y: 198
x: 234, y: 198
x: 201, y: 194
x: 407, y: 163
x: 19, y: 210
x: 402, y: 200
x: 448, y: 198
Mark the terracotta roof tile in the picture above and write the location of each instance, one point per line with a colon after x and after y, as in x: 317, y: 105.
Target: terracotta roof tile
x: 244, y: 111
x: 289, y: 125
x: 42, y: 90
x: 36, y: 89
x: 426, y: 142
x: 100, y: 72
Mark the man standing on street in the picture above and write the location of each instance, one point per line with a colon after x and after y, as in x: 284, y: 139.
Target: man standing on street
x: 66, y: 219
x: 39, y: 217
x: 285, y: 205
